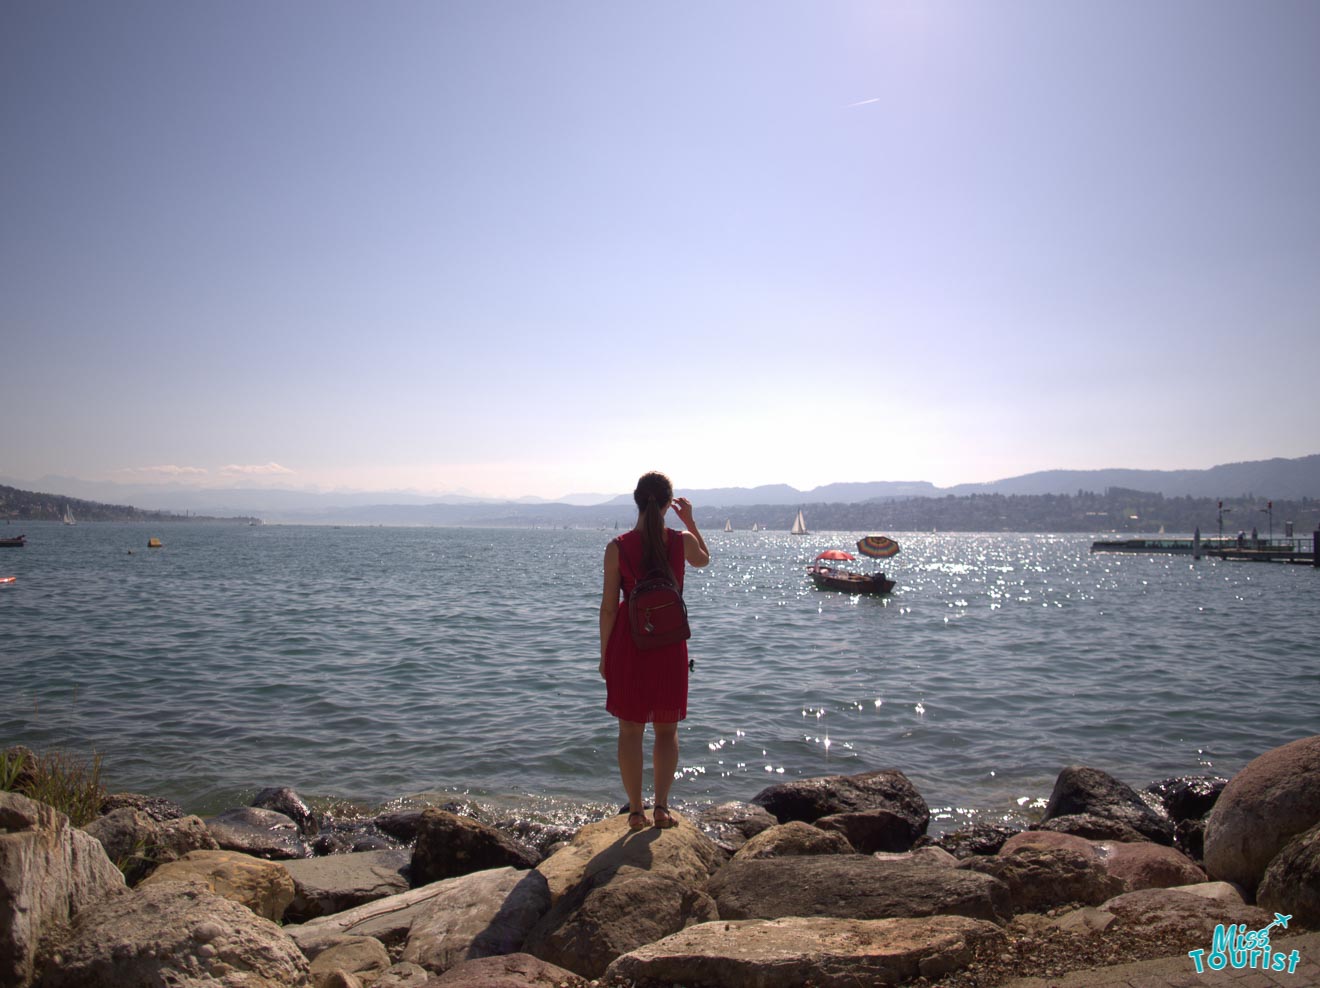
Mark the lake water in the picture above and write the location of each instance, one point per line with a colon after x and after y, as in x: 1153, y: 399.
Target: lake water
x: 375, y: 663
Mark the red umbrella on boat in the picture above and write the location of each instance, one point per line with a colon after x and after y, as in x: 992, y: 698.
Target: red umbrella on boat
x: 838, y: 554
x: 877, y: 547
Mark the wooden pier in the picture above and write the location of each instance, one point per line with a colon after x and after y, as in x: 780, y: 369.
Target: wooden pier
x: 1303, y: 551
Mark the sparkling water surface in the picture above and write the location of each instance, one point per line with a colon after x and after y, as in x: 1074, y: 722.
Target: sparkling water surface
x: 375, y: 663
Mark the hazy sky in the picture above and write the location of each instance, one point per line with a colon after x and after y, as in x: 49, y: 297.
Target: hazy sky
x: 538, y: 247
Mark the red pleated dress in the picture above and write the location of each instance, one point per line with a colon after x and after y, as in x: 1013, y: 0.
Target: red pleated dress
x: 652, y: 686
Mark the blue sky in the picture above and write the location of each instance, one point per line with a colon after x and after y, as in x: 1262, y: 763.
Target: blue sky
x: 537, y: 248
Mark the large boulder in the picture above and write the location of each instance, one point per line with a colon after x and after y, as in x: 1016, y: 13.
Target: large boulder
x: 1044, y: 878
x: 510, y: 971
x: 869, y: 831
x: 826, y: 953
x: 810, y: 799
x: 853, y: 886
x: 1148, y: 866
x: 1273, y: 799
x: 263, y: 886
x: 332, y: 884
x: 1173, y: 912
x: 365, y: 958
x: 590, y: 927
x: 484, y: 914
x: 1292, y: 881
x: 794, y: 838
x: 449, y: 845
x: 50, y: 872
x: 139, y: 843
x: 258, y: 832
x: 1080, y: 790
x: 175, y: 933
x: 599, y: 851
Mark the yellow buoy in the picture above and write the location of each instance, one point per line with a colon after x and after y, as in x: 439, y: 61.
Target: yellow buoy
x: 153, y: 543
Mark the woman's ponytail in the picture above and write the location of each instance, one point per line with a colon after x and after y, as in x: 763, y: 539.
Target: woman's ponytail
x: 652, y: 497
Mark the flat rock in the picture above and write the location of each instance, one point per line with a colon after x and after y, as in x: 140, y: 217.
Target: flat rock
x: 510, y: 971
x: 333, y: 884
x: 175, y: 933
x: 601, y: 850
x: 483, y: 914
x: 261, y: 885
x: 853, y: 886
x: 50, y: 873
x: 1171, y: 912
x: 1089, y: 791
x: 810, y: 799
x: 258, y: 832
x: 449, y: 845
x: 1044, y: 878
x: 588, y: 929
x: 1292, y: 881
x: 1275, y: 797
x: 1148, y: 866
x: 826, y: 953
x: 794, y: 838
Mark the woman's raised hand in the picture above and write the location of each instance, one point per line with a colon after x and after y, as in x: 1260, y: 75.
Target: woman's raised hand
x: 683, y: 508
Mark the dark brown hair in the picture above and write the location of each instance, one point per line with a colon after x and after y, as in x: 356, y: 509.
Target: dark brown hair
x: 652, y: 496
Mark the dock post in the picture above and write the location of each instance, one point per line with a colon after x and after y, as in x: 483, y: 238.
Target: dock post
x: 1315, y: 548
x: 1196, y: 543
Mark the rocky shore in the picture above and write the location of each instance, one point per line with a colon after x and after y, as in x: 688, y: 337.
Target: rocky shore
x: 829, y: 881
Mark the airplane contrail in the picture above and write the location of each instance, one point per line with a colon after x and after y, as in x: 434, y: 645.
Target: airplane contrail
x: 863, y: 102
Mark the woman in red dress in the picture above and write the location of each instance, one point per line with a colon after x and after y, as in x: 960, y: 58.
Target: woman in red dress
x: 651, y: 686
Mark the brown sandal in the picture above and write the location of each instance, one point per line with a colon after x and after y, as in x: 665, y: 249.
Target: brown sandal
x: 637, y: 820
x: 667, y: 822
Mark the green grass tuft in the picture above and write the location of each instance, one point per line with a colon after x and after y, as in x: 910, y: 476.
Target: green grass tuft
x: 69, y: 783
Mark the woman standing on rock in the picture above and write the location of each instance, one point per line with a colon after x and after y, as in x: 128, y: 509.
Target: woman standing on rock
x: 647, y: 686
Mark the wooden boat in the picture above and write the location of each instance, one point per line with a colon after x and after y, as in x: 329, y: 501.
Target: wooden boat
x: 830, y: 578
x: 17, y: 542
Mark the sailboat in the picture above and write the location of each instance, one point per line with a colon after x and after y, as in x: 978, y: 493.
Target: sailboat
x: 799, y: 525
x: 68, y: 516
x: 755, y: 527
x: 728, y: 524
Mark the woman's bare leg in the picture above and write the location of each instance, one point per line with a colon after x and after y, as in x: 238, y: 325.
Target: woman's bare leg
x: 665, y: 760
x: 630, y: 761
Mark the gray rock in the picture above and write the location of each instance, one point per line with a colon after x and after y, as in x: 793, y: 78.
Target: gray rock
x: 1273, y: 799
x: 810, y: 799
x: 1083, y: 790
x: 872, y: 830
x: 1044, y: 878
x: 399, y: 824
x: 260, y: 833
x: 156, y: 807
x: 794, y: 838
x: 365, y: 958
x: 483, y: 914
x: 588, y: 929
x: 732, y: 824
x: 138, y: 843
x: 853, y: 886
x: 510, y: 971
x: 449, y: 845
x: 1088, y: 826
x: 825, y: 953
x: 1292, y: 881
x: 981, y: 838
x: 285, y: 800
x: 333, y: 884
x: 50, y: 873
x: 172, y: 933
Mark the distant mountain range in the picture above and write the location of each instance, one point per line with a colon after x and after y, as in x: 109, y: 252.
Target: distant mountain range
x: 1294, y: 479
